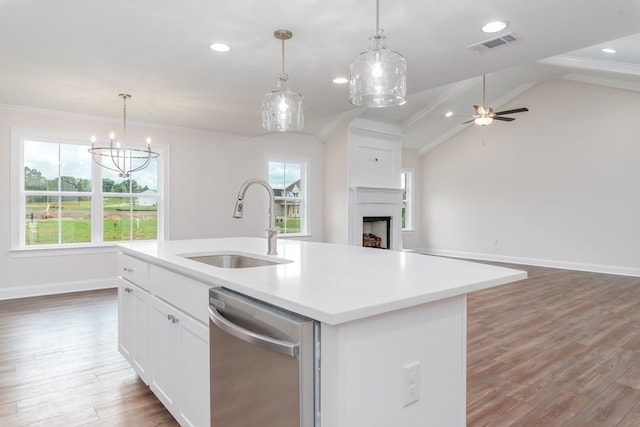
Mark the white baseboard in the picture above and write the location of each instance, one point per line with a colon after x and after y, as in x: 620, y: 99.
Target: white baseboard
x: 566, y: 265
x: 13, y: 292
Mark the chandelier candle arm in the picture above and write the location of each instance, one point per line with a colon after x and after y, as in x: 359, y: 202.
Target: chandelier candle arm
x: 118, y: 155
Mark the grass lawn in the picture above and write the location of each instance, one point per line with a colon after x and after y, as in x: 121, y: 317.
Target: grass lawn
x: 291, y: 226
x: 46, y: 232
x: 75, y: 223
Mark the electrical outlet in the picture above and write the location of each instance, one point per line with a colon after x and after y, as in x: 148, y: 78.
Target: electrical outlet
x: 410, y: 383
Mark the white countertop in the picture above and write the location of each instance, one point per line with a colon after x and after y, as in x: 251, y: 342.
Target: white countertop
x: 328, y: 282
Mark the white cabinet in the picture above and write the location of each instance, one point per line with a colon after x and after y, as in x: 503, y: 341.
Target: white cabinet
x: 163, y: 333
x: 180, y: 364
x: 133, y: 327
x: 133, y: 314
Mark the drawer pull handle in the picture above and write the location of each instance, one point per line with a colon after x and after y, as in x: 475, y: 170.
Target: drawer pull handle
x: 129, y: 270
x: 128, y: 290
x: 173, y: 318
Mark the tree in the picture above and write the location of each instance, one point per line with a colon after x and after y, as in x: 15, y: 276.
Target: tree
x: 107, y: 185
x: 33, y: 179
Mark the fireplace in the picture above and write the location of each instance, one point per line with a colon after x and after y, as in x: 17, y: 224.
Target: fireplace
x: 376, y: 216
x: 376, y: 232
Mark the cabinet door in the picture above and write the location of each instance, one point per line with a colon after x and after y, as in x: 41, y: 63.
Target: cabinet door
x: 180, y: 364
x: 133, y: 331
x: 140, y: 359
x: 194, y: 373
x: 126, y: 320
x: 164, y: 354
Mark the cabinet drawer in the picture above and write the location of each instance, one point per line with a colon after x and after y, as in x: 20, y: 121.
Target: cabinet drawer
x: 134, y: 270
x: 184, y: 293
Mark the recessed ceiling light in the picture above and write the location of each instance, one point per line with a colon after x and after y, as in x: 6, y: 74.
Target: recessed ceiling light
x: 340, y: 80
x: 495, y: 26
x: 220, y: 47
x: 608, y: 50
x: 448, y: 114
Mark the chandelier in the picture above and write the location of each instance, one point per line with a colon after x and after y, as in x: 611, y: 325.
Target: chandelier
x: 116, y: 156
x: 282, y: 109
x: 378, y: 76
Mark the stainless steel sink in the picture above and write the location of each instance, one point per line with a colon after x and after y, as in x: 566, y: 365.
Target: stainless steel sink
x: 234, y: 260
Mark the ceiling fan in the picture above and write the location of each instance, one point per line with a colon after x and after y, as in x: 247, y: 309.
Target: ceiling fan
x: 485, y: 115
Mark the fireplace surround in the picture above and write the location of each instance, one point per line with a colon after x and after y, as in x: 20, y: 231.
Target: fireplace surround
x: 376, y: 203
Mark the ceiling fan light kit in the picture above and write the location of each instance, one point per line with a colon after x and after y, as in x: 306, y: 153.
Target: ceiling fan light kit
x: 378, y: 76
x: 283, y: 108
x: 483, y: 121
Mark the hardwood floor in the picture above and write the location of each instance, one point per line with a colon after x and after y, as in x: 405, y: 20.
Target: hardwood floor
x: 559, y: 349
x: 60, y: 366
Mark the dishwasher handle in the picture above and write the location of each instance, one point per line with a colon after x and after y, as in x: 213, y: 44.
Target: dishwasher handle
x: 284, y: 347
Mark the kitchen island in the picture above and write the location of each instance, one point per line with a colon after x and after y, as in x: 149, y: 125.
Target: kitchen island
x: 382, y: 314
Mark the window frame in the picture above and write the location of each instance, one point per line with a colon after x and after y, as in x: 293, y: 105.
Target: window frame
x: 305, y: 215
x: 408, y: 200
x: 18, y: 195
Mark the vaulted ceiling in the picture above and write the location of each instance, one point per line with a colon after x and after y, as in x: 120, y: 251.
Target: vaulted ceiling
x: 76, y: 56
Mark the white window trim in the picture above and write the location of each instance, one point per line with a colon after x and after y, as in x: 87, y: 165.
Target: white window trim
x: 18, y: 248
x: 409, y: 209
x: 306, y: 173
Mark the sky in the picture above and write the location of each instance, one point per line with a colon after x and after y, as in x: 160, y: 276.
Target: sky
x: 283, y: 174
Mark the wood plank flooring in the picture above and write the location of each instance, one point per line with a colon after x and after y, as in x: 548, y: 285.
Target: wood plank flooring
x: 561, y: 348
x: 60, y: 366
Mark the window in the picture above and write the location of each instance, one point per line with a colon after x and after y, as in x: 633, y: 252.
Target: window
x: 64, y: 199
x: 288, y: 180
x: 406, y: 185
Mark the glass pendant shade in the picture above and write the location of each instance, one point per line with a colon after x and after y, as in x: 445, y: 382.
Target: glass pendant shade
x: 378, y: 76
x: 283, y: 109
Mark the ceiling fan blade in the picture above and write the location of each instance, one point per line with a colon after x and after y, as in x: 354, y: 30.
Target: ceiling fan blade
x: 504, y: 119
x: 517, y: 110
x: 468, y: 121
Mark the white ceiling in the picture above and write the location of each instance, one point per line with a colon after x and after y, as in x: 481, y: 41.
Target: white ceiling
x: 76, y: 56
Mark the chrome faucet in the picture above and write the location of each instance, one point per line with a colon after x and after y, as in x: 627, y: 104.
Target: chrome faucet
x: 272, y: 231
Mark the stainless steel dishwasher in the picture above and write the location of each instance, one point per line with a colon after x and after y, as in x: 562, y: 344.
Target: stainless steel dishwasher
x: 264, y: 364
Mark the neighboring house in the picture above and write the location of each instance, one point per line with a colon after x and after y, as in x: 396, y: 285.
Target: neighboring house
x: 287, y: 201
x: 147, y: 201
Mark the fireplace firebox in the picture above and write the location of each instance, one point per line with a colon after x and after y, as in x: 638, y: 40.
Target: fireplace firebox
x: 376, y: 232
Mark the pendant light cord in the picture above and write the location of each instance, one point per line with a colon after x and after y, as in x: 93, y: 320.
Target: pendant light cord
x: 124, y: 97
x: 377, y: 17
x: 283, y: 56
x: 124, y: 110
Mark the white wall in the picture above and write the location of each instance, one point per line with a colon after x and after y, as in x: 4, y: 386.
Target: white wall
x: 336, y: 190
x: 206, y: 170
x: 559, y: 186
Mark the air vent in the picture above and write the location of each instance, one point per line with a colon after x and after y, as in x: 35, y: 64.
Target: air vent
x: 493, y: 43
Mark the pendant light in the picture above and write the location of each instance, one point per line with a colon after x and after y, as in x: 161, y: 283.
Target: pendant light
x: 378, y: 76
x: 282, y: 109
x: 116, y: 156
